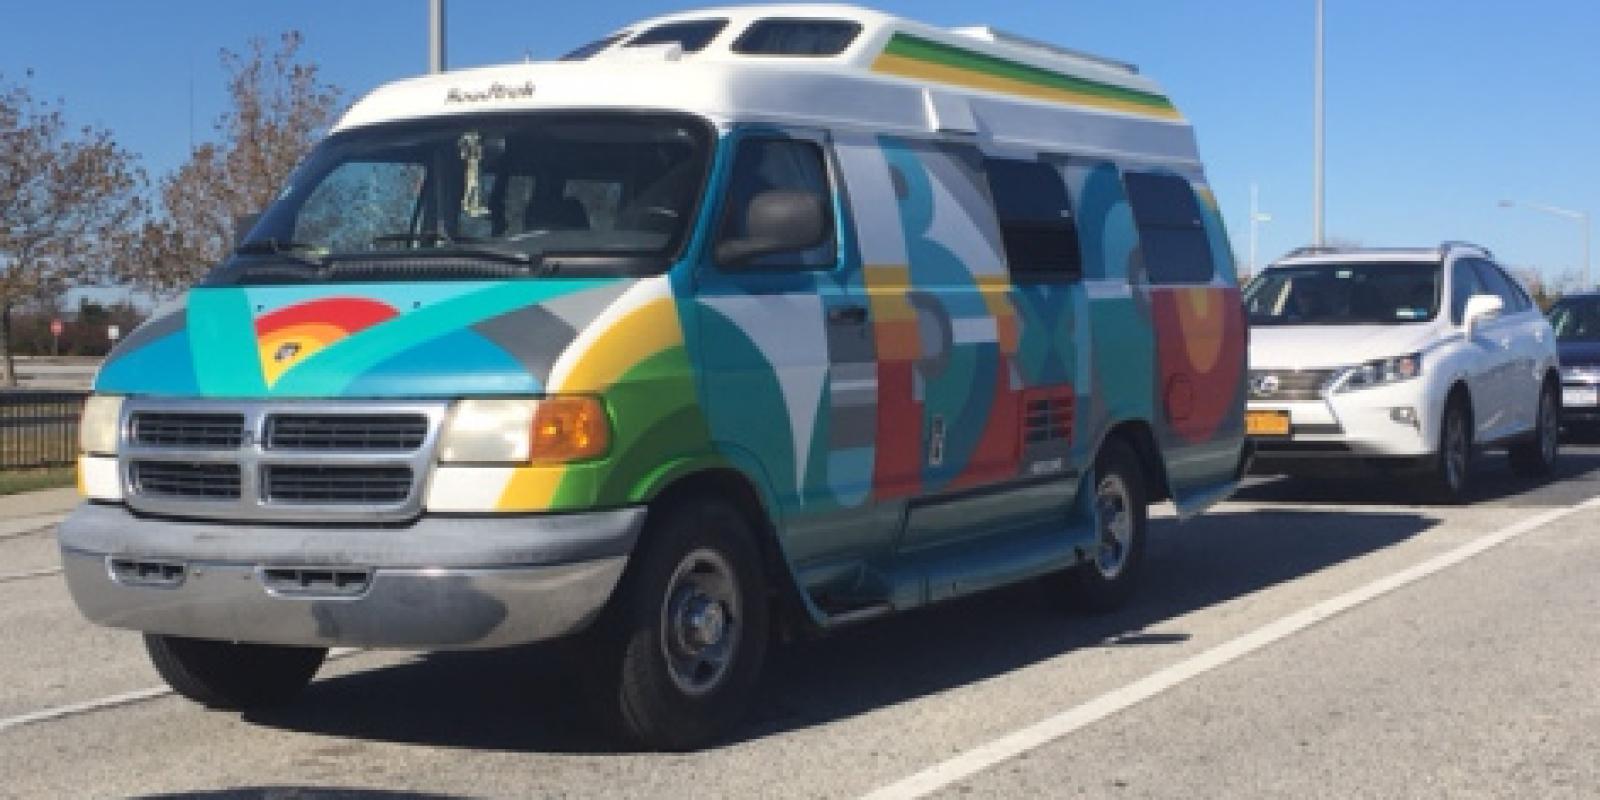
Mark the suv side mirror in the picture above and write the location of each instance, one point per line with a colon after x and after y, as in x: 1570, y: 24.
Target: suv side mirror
x: 1480, y: 309
x: 778, y: 221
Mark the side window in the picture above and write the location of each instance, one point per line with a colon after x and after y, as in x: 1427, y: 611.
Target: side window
x: 1172, y: 233
x: 1464, y: 283
x: 797, y: 37
x: 1036, y: 222
x: 1499, y: 283
x: 691, y: 35
x: 778, y: 211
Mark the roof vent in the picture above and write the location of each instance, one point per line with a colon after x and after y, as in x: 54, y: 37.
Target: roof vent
x: 1012, y: 40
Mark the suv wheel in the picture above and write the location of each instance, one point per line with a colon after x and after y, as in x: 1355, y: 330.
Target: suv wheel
x: 1450, y: 467
x: 1535, y: 457
x: 674, y: 661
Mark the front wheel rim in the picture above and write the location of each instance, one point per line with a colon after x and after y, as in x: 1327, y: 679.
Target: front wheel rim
x: 702, y: 621
x: 1114, y: 524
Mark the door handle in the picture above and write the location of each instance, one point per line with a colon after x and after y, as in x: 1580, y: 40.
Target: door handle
x: 848, y: 315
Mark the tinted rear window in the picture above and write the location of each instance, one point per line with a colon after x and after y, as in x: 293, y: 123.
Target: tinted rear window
x: 797, y: 37
x: 692, y: 35
x: 1171, y: 231
x: 1036, y: 224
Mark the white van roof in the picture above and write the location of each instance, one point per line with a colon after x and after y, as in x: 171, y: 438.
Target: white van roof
x: 895, y: 76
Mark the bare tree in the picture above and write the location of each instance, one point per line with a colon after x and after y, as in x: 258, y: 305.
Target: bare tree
x: 68, y: 201
x: 279, y: 107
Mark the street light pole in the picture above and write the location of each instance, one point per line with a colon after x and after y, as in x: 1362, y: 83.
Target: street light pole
x: 436, y: 36
x: 1581, y: 217
x: 1256, y: 218
x: 1317, y: 211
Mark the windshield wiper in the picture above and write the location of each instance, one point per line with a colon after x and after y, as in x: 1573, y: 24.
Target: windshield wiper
x: 442, y: 245
x: 299, y: 252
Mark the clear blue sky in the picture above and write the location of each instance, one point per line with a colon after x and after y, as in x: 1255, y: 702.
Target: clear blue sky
x: 1437, y: 109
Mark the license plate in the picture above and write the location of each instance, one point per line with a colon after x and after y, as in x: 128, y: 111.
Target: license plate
x: 1266, y: 423
x: 1580, y: 396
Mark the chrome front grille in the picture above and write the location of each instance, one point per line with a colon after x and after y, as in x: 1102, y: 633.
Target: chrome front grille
x: 1290, y: 384
x: 198, y: 430
x: 293, y: 483
x: 356, y: 432
x: 308, y: 461
x: 177, y: 479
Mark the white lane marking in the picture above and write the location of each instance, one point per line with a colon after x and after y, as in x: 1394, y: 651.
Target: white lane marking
x: 116, y: 700
x: 38, y: 573
x: 17, y: 527
x: 1011, y: 745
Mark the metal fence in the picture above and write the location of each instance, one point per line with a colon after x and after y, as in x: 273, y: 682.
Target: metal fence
x: 39, y: 428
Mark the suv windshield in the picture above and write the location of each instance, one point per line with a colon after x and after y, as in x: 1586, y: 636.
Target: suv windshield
x: 1576, y: 319
x: 465, y: 196
x: 1344, y: 294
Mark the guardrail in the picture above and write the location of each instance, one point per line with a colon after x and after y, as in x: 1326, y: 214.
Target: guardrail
x: 39, y: 428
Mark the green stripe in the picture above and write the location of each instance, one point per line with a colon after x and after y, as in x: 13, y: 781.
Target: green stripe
x: 914, y: 47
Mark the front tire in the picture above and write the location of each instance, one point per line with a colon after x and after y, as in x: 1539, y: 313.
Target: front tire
x: 1450, y: 468
x: 1107, y: 580
x: 1536, y: 457
x: 678, y: 653
x: 233, y: 676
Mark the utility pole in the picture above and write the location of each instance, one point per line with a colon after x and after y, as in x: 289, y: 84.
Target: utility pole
x: 436, y: 36
x: 1318, y: 193
x: 1580, y: 217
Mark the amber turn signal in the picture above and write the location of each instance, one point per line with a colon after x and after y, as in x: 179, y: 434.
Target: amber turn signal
x: 569, y: 429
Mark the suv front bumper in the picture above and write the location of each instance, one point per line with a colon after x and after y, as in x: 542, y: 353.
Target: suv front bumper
x: 1398, y: 421
x: 441, y: 582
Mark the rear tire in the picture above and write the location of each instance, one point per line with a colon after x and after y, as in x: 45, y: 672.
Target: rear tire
x: 1450, y: 467
x: 1108, y: 579
x: 233, y: 676
x: 676, y: 658
x: 1536, y: 457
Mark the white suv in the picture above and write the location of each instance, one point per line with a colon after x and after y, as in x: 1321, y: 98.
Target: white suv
x: 1405, y: 357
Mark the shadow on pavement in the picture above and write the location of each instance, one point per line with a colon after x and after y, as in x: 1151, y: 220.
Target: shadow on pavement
x: 525, y: 699
x: 296, y: 793
x: 1492, y: 481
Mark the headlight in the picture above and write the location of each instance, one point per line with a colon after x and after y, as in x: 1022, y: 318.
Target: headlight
x: 101, y: 425
x: 554, y: 430
x: 1381, y: 372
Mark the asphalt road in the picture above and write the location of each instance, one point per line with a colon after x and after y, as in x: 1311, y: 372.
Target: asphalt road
x: 1308, y: 639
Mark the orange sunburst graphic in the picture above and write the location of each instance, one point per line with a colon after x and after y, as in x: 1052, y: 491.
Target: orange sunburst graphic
x: 290, y: 335
x: 1204, y: 331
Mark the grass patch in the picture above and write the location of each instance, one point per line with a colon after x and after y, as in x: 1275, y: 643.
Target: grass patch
x: 28, y: 480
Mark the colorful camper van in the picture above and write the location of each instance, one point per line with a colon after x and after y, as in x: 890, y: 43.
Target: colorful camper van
x: 734, y: 322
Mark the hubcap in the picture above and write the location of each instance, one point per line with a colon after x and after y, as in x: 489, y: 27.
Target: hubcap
x: 1114, y: 521
x: 700, y: 621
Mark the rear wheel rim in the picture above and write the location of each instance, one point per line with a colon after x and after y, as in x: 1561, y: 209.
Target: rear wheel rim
x: 1114, y: 524
x: 702, y: 621
x: 1549, y: 427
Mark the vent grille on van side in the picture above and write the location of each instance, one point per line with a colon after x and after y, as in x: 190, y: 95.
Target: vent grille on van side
x: 1047, y: 418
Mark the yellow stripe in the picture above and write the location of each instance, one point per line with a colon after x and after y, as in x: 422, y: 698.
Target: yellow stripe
x: 956, y: 76
x: 636, y: 336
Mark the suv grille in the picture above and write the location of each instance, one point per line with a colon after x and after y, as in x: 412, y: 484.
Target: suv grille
x: 187, y: 481
x: 364, y: 433
x: 1289, y: 384
x: 194, y: 431
x: 337, y: 485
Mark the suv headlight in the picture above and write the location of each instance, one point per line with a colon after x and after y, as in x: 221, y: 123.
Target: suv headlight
x: 100, y: 427
x: 1381, y: 372
x: 554, y: 430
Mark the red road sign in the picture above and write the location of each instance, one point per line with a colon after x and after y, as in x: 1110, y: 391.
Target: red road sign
x: 56, y: 327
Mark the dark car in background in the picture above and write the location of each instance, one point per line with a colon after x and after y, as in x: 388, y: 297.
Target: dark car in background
x: 1576, y: 320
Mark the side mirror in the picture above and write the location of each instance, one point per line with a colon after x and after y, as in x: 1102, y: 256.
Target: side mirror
x: 778, y: 221
x: 242, y: 225
x: 1480, y: 309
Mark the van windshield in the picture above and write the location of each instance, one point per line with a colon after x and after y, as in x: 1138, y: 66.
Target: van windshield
x: 500, y: 195
x: 1344, y: 294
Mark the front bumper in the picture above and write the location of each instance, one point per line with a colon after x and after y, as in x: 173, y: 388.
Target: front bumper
x: 1361, y: 424
x: 1575, y: 402
x: 442, y: 582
